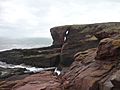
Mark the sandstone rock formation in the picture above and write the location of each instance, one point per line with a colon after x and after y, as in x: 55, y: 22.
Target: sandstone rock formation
x: 87, y: 73
x: 89, y: 56
x: 40, y: 81
x: 67, y: 41
x: 58, y: 34
x: 109, y: 49
x: 81, y: 37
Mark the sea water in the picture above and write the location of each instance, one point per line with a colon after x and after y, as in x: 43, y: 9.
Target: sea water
x: 27, y: 67
x: 24, y: 43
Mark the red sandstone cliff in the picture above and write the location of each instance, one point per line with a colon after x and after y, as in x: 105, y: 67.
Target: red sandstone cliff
x: 89, y: 58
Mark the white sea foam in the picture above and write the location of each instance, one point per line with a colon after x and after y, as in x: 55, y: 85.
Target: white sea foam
x: 28, y: 68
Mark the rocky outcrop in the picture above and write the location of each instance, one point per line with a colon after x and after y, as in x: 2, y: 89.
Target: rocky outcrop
x: 75, y: 38
x: 41, y: 57
x: 89, y: 56
x: 59, y: 34
x: 87, y: 72
x: 40, y: 81
x: 67, y: 41
x: 95, y: 69
x: 7, y: 72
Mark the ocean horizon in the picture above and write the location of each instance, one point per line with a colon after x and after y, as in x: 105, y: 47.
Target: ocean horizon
x: 24, y: 43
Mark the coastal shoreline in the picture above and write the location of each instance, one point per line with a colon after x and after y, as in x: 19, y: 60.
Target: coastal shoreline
x: 87, y: 57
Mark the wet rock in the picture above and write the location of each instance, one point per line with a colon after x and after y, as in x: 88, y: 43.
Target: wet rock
x: 51, y: 60
x: 41, y: 57
x: 7, y: 72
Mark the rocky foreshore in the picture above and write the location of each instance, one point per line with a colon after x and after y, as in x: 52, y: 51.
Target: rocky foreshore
x: 88, y: 57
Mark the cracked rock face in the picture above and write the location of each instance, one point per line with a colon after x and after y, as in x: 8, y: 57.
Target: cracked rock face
x: 95, y: 69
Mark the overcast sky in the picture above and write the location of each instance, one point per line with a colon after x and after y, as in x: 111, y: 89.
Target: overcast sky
x: 34, y: 18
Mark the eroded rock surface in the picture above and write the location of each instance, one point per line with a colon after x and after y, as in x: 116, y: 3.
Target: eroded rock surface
x: 67, y: 41
x: 92, y: 52
x: 81, y: 37
x: 40, y: 81
x: 87, y: 73
x: 109, y: 49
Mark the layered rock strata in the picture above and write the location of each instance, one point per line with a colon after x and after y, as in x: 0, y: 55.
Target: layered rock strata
x: 89, y: 56
x: 95, y: 69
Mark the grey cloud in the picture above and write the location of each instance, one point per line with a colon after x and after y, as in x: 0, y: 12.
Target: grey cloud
x: 27, y: 18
